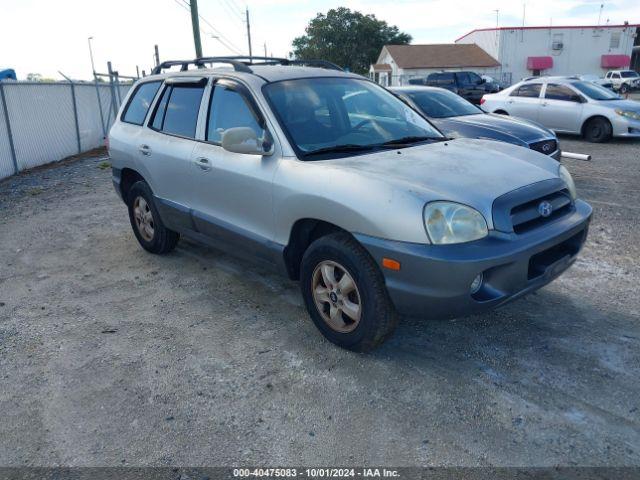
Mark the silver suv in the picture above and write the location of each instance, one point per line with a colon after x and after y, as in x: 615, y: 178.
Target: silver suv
x: 332, y: 180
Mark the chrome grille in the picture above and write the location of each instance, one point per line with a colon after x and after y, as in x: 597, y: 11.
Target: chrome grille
x: 527, y: 216
x: 519, y: 211
x: 545, y: 146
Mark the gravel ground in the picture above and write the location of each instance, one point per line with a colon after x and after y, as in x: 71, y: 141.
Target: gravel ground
x: 112, y: 356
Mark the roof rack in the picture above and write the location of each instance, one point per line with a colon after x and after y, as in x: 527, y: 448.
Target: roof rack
x: 242, y: 63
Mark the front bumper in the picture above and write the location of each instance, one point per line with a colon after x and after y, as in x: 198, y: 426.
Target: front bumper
x: 434, y: 280
x: 625, y: 127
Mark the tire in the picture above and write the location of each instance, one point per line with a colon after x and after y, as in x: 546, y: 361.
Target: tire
x: 598, y: 130
x: 377, y: 316
x: 501, y: 112
x: 624, y: 89
x: 158, y: 239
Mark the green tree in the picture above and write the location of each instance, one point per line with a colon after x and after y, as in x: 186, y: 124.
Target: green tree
x: 347, y: 38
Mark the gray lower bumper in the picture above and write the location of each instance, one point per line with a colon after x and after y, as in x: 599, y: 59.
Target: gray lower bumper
x: 434, y: 280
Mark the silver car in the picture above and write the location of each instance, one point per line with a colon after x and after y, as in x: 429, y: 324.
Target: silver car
x: 567, y: 105
x: 330, y: 179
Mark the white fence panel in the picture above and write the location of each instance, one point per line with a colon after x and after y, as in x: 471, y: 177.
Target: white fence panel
x: 42, y: 122
x: 90, y: 126
x: 6, y: 160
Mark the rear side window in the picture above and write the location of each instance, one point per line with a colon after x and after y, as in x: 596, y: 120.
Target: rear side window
x: 140, y: 102
x: 177, y: 111
x: 531, y: 90
x: 559, y: 92
x: 229, y: 109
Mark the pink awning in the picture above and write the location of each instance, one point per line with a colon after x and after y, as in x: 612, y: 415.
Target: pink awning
x: 539, y: 63
x: 615, y: 61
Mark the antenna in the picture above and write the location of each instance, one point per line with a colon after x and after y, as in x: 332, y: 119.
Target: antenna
x: 524, y: 11
x: 600, y: 13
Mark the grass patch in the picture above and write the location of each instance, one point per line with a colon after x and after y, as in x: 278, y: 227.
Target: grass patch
x: 35, y: 191
x: 104, y: 165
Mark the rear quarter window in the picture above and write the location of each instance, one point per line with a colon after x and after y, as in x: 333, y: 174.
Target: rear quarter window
x: 177, y: 110
x: 140, y: 101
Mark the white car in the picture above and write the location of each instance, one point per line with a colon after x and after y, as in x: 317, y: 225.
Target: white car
x: 623, y: 80
x: 568, y: 105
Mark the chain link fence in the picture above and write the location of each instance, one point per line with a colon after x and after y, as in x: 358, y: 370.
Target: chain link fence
x: 43, y: 122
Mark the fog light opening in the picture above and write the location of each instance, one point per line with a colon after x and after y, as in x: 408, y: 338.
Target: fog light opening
x: 476, y: 284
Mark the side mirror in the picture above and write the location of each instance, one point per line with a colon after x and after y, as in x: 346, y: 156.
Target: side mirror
x: 244, y: 140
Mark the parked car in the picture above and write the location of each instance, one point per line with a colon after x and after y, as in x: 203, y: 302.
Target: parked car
x: 469, y: 85
x: 330, y: 179
x: 623, y: 81
x: 458, y: 118
x: 569, y: 105
x: 491, y: 85
x: 595, y: 79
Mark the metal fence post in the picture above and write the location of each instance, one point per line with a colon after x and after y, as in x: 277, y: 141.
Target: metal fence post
x: 75, y: 110
x: 75, y: 115
x: 114, y: 101
x: 104, y: 129
x: 12, y: 147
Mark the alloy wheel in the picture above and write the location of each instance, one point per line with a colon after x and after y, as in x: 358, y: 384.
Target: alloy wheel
x: 336, y: 296
x: 144, y: 218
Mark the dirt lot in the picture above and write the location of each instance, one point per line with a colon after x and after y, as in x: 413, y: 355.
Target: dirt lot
x: 112, y: 356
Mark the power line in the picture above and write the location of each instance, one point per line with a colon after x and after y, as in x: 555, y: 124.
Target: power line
x: 216, y: 33
x: 233, y: 13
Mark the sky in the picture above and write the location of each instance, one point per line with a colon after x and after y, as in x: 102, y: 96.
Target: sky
x: 48, y: 36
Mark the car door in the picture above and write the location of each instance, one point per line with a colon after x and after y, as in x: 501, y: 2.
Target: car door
x: 468, y: 88
x: 524, y: 101
x: 167, y: 146
x: 561, y: 108
x: 232, y: 192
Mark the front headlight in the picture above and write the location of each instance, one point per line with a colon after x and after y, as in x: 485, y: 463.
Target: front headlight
x: 449, y: 222
x: 628, y: 114
x: 565, y: 176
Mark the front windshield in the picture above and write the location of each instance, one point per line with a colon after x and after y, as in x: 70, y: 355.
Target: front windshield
x: 595, y: 91
x: 629, y: 74
x: 331, y: 116
x: 442, y: 104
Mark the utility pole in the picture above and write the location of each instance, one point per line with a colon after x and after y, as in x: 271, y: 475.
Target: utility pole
x: 265, y: 49
x: 249, y: 34
x: 195, y: 23
x: 156, y: 55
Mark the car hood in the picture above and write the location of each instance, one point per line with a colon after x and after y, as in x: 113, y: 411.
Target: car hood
x: 472, y: 172
x: 632, y: 105
x: 506, y: 129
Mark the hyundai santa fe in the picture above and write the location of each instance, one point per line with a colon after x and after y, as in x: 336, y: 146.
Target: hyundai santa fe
x: 330, y: 179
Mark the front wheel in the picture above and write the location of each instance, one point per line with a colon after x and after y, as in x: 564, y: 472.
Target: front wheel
x: 345, y: 293
x: 598, y: 130
x: 624, y: 89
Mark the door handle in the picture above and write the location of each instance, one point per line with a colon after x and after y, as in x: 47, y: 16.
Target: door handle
x: 145, y: 149
x: 203, y: 163
x: 544, y: 104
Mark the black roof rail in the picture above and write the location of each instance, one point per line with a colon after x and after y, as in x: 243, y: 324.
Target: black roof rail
x: 199, y: 62
x: 253, y: 60
x: 243, y: 63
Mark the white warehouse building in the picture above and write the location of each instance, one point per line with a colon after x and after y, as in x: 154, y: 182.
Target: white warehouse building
x: 562, y: 50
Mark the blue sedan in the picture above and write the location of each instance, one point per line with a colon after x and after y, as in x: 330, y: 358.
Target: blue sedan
x: 456, y: 117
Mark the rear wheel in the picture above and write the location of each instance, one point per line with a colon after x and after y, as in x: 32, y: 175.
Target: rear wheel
x: 147, y: 225
x: 345, y: 293
x: 597, y: 130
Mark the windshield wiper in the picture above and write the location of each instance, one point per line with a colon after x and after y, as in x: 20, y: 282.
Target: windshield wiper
x: 346, y: 148
x: 410, y: 140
